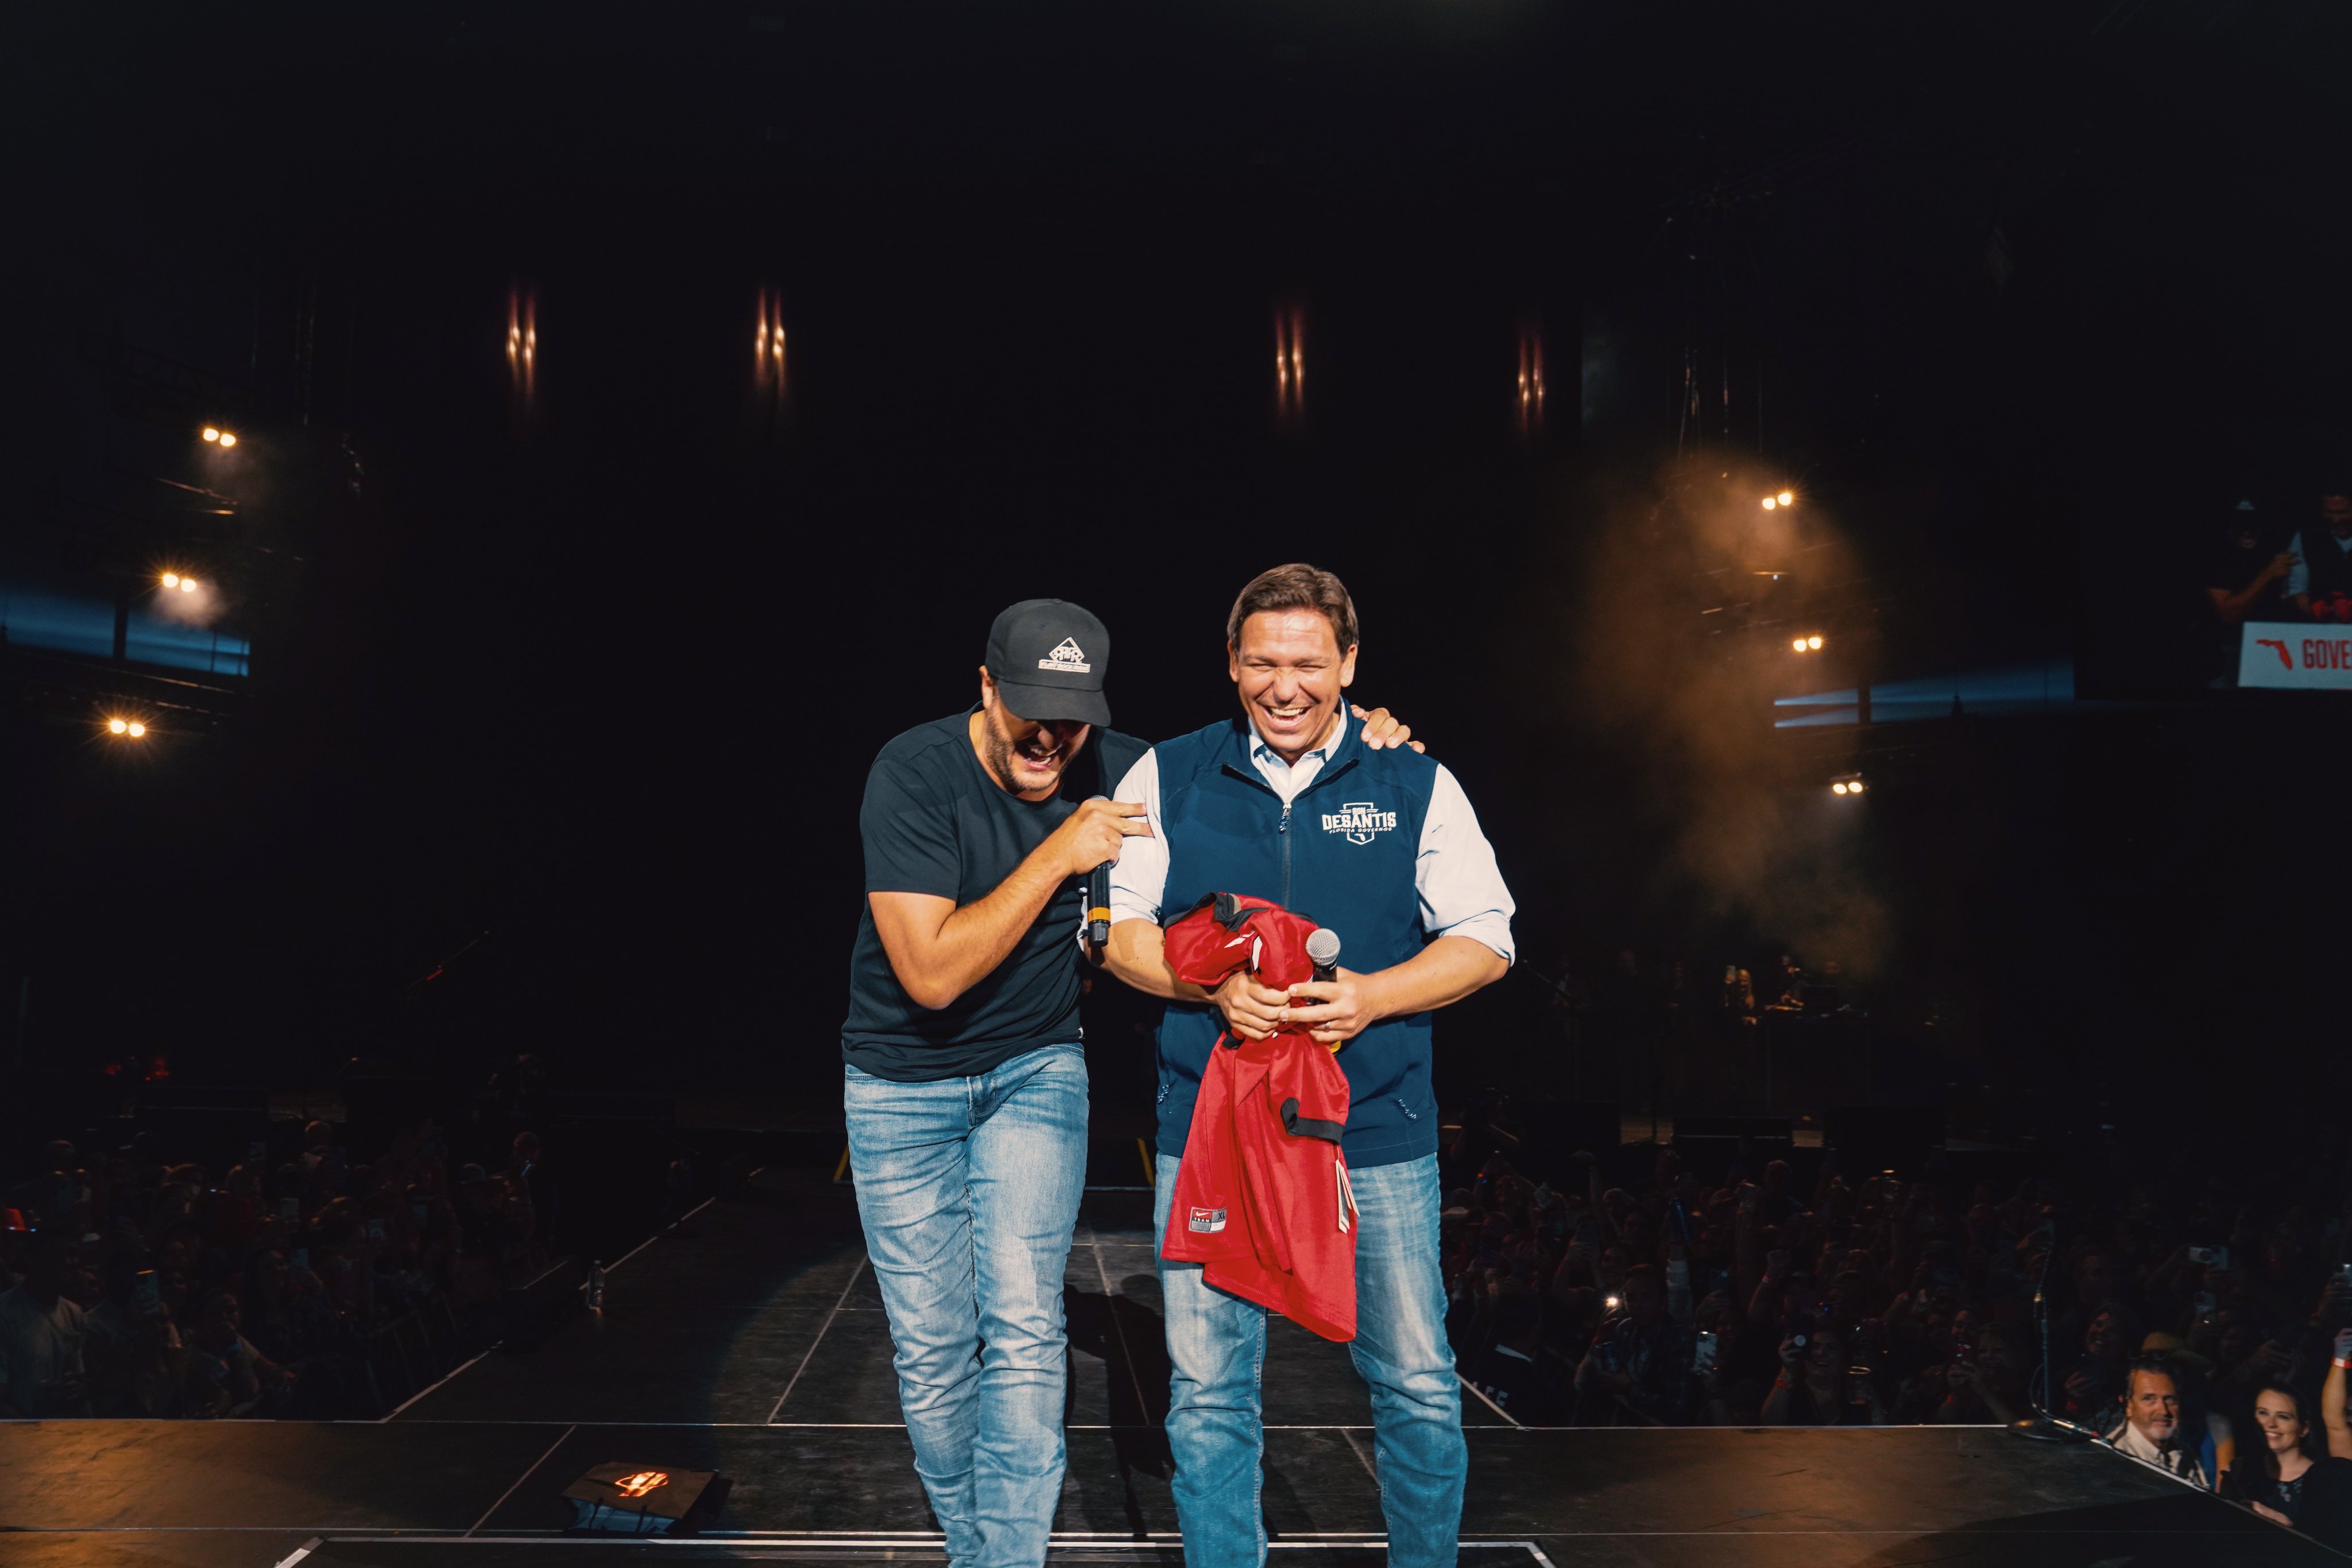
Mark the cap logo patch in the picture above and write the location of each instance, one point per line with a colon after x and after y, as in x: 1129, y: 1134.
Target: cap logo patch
x: 1208, y: 1220
x: 1067, y: 660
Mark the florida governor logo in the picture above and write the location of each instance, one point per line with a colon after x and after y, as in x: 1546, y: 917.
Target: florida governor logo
x: 1360, y: 820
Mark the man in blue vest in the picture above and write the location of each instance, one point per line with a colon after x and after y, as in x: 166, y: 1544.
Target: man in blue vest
x: 1286, y: 803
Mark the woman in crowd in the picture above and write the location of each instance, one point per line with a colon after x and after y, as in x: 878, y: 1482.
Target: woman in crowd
x: 2288, y: 1478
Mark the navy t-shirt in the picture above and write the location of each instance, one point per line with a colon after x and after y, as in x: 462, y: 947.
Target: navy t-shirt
x: 935, y: 822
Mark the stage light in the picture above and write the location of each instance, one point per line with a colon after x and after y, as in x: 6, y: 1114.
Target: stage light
x: 1837, y: 788
x: 1769, y: 503
x: 641, y: 1483
x: 211, y: 433
x: 117, y: 727
x: 187, y: 585
x: 1846, y: 784
x: 136, y: 729
x: 1786, y: 499
x: 1610, y: 1302
x: 1797, y: 644
x: 1813, y: 642
x: 170, y: 579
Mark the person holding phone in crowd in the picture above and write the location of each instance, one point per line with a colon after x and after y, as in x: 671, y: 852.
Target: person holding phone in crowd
x: 1818, y: 1386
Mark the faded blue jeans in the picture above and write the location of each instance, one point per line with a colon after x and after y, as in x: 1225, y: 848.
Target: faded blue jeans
x: 1216, y: 1345
x: 968, y: 1189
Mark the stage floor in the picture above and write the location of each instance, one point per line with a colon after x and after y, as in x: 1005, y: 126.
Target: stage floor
x: 755, y: 1344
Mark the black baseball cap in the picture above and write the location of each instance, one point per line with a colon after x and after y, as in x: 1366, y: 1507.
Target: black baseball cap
x: 1048, y: 658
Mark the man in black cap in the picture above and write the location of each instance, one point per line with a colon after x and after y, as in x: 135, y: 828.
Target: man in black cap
x: 964, y: 1082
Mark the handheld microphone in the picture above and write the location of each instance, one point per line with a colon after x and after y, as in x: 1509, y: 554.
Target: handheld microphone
x: 1323, y: 952
x: 1098, y: 901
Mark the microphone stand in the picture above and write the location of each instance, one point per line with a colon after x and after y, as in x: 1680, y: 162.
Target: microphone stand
x: 2042, y: 1426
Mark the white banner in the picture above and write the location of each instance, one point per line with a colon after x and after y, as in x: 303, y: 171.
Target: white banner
x: 2301, y: 654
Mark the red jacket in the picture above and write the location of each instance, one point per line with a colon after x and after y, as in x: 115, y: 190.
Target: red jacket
x: 1261, y: 1199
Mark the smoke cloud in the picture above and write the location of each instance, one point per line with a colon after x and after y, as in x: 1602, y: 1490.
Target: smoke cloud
x: 1679, y: 647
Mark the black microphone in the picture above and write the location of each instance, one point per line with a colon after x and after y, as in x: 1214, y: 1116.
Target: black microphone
x: 1099, y: 900
x: 1323, y: 952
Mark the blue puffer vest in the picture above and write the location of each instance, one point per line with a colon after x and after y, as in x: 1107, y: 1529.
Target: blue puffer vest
x: 1342, y: 853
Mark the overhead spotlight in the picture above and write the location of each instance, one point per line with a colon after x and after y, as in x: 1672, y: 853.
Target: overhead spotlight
x: 117, y: 727
x: 136, y: 729
x: 187, y: 585
x: 1786, y: 499
x: 1769, y: 503
x: 211, y: 433
x: 1813, y: 642
x: 1837, y: 788
x: 1846, y: 784
x: 228, y: 441
x: 1798, y: 643
x: 170, y: 579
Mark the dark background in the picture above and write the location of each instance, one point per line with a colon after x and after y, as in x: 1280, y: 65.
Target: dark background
x: 2020, y: 297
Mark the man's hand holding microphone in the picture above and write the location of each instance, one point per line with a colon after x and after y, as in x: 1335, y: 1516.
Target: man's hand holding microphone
x: 1334, y: 1005
x: 1091, y: 835
x: 1090, y: 847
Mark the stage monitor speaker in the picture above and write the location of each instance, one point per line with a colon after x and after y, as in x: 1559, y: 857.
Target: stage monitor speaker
x: 645, y: 1500
x: 1873, y: 1138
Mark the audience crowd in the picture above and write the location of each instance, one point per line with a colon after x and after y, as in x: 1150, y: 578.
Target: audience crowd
x: 2196, y: 1322
x: 321, y: 1286
x: 2199, y: 1317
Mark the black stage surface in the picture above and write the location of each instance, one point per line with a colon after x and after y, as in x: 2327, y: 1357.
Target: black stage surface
x: 755, y: 1344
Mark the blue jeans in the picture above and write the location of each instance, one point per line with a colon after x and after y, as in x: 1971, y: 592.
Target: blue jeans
x: 1216, y: 1345
x: 968, y: 1189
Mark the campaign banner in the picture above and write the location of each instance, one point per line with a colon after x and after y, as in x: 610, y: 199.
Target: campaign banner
x: 2296, y: 654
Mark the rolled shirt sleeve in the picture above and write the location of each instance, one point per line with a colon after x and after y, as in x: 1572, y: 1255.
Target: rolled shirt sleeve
x: 1461, y: 888
x: 1139, y: 882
